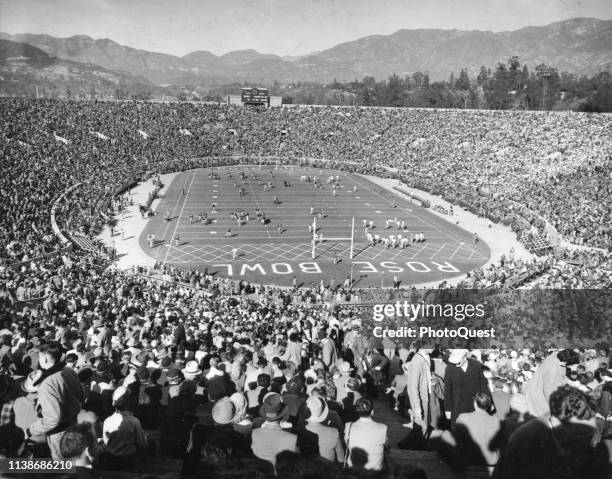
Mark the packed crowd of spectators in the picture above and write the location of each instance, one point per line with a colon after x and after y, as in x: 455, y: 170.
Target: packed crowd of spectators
x: 557, y: 165
x: 111, y: 367
x: 231, y: 374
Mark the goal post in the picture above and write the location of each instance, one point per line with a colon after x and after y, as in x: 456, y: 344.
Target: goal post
x: 316, y: 238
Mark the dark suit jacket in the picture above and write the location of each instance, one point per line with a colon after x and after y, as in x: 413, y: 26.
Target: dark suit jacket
x: 461, y: 387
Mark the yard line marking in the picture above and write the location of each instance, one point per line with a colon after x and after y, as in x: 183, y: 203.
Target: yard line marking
x: 399, y: 252
x: 382, y: 250
x: 386, y: 200
x: 178, y: 201
x: 457, y: 250
x: 290, y: 252
x: 441, y: 248
x: 257, y: 203
x: 179, y: 217
x: 425, y: 246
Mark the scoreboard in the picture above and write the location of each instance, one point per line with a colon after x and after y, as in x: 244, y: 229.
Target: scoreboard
x: 255, y: 96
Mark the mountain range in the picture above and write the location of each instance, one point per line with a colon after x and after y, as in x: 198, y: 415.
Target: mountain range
x: 580, y: 46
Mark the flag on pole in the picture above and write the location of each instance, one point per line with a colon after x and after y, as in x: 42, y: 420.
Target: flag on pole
x: 99, y: 135
x: 144, y: 134
x: 185, y: 131
x: 59, y: 138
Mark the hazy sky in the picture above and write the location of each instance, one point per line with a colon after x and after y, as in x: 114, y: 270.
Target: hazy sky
x: 283, y: 27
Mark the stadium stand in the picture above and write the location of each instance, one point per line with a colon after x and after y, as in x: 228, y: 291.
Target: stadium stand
x: 213, y: 368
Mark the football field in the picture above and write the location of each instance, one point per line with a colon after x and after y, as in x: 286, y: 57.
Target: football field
x: 279, y: 251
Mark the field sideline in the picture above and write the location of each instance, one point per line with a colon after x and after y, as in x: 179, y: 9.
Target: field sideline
x: 280, y: 250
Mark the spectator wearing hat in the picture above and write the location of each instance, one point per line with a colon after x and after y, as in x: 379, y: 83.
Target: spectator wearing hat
x: 516, y: 416
x: 329, y: 353
x: 221, y: 434
x: 216, y: 389
x: 269, y: 439
x: 237, y: 376
x: 132, y: 345
x: 293, y: 352
x: 122, y: 434
x: 231, y: 412
x: 241, y: 422
x: 365, y: 439
x: 463, y: 380
x: 354, y: 387
x: 192, y: 371
x: 59, y: 398
x: 357, y: 343
x: 547, y: 378
x: 329, y: 440
x: 104, y: 337
x: 340, y: 380
x: 179, y: 360
x: 178, y: 333
x: 24, y: 407
x: 164, y: 367
x: 295, y: 400
x: 171, y: 388
x: 126, y: 359
x: 375, y: 366
x: 214, y: 368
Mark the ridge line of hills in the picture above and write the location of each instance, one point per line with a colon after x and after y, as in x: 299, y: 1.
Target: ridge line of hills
x: 580, y: 46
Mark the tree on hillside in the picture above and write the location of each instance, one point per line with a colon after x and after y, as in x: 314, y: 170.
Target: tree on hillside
x: 483, y: 76
x: 497, y: 90
x: 394, y: 90
x: 417, y: 78
x: 463, y: 83
x: 601, y: 97
x: 426, y: 80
